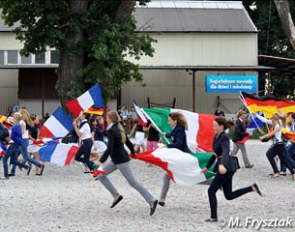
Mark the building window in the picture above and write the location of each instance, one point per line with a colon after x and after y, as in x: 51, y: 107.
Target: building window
x: 40, y: 58
x: 26, y: 59
x: 54, y: 57
x: 1, y: 57
x: 12, y: 57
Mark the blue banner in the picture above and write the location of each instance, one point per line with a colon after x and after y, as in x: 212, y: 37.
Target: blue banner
x: 231, y: 83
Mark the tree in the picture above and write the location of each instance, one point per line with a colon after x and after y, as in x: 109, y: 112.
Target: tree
x: 273, y: 41
x: 286, y: 20
x: 93, y: 37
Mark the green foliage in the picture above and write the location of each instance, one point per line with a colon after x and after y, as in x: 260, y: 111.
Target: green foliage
x: 106, y: 43
x: 272, y: 41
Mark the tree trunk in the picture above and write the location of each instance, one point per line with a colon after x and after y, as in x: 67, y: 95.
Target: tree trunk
x: 286, y: 20
x: 68, y: 65
x: 124, y: 10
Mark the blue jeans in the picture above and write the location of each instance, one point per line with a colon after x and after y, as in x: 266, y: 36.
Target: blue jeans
x: 83, y: 154
x: 12, y: 152
x: 25, y: 154
x: 281, y: 151
x: 291, y: 154
x: 224, y: 181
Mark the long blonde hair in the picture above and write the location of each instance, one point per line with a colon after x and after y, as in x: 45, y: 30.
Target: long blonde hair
x: 179, y: 117
x: 26, y: 117
x: 114, y: 117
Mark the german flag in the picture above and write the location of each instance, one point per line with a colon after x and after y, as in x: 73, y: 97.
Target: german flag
x: 289, y: 134
x: 267, y: 104
x: 96, y: 111
x: 2, y: 118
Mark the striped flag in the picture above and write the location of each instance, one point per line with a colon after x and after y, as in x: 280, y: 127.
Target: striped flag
x: 267, y: 104
x: 200, y: 126
x: 96, y: 111
x: 183, y: 168
x: 57, y: 125
x: 58, y: 153
x: 92, y: 97
x: 254, y: 124
x: 141, y: 118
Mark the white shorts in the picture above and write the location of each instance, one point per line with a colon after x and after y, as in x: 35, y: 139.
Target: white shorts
x: 139, y: 138
x: 100, y: 147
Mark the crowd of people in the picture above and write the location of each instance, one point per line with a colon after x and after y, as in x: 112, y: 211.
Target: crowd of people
x: 95, y: 134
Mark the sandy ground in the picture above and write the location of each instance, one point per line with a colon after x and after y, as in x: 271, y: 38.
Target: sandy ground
x: 66, y: 199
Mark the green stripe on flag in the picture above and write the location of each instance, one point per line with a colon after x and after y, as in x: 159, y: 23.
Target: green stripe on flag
x: 159, y: 117
x: 203, y: 158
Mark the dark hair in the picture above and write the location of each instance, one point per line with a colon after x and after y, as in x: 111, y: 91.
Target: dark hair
x: 87, y: 116
x: 221, y: 121
x: 92, y: 119
x: 179, y: 117
x: 293, y: 116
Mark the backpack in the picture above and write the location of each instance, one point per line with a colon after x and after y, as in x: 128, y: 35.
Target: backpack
x: 4, y: 133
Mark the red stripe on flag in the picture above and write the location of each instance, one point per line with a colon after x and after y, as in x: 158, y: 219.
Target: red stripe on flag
x: 71, y: 154
x: 147, y: 156
x: 44, y: 132
x: 206, y: 133
x: 74, y: 107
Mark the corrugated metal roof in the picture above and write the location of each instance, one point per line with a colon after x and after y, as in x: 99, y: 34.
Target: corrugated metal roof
x: 187, y: 16
x: 193, y: 16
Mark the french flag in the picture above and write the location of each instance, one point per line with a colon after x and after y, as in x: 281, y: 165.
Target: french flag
x: 58, y: 153
x: 2, y: 150
x: 57, y: 125
x: 142, y: 120
x: 91, y: 97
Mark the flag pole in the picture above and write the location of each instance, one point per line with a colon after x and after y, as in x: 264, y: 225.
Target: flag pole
x: 155, y: 125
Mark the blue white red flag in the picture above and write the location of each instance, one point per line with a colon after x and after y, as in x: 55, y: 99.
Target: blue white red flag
x: 58, y: 153
x: 57, y: 125
x: 92, y: 97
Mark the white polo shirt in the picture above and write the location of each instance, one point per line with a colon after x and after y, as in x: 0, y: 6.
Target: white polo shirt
x: 85, y: 130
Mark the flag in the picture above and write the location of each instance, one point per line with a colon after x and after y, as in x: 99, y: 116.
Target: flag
x: 7, y: 122
x: 267, y: 104
x: 200, y: 126
x: 183, y: 168
x: 57, y: 125
x: 58, y: 153
x: 289, y: 134
x: 254, y: 124
x: 2, y: 150
x: 91, y: 97
x: 99, y: 171
x: 96, y: 111
x: 141, y: 118
x: 2, y: 118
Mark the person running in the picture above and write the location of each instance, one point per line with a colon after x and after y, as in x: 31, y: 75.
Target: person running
x: 14, y: 146
x: 120, y: 160
x: 278, y: 147
x: 225, y: 169
x: 84, y: 134
x: 239, y: 135
x: 179, y: 124
x: 26, y: 123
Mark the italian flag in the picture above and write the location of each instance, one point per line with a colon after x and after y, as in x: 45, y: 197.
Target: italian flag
x: 200, y: 126
x: 183, y: 168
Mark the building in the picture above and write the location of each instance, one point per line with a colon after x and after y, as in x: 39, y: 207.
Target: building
x: 194, y: 39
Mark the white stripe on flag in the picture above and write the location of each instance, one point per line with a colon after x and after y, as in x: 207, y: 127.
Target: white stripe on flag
x: 60, y: 154
x: 55, y: 127
x: 185, y: 167
x: 85, y: 100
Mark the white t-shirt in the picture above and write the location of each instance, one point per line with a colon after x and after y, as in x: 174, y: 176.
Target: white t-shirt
x: 85, y: 130
x: 26, y: 133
